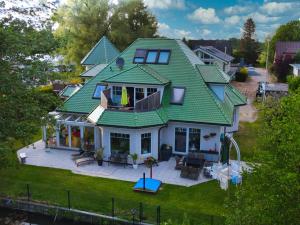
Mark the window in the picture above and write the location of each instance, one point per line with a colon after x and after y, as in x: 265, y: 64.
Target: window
x: 150, y: 91
x: 151, y: 56
x: 117, y: 93
x: 139, y: 93
x: 194, y: 139
x: 146, y: 143
x: 177, y: 95
x: 180, y: 139
x: 99, y: 88
x: 164, y: 57
x: 119, y: 142
x: 140, y: 55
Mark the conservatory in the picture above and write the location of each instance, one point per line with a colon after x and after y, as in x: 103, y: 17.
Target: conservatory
x: 70, y: 131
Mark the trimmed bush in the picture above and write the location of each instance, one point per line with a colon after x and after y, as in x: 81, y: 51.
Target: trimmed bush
x: 241, y: 75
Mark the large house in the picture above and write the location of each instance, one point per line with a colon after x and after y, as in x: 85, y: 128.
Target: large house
x: 157, y: 91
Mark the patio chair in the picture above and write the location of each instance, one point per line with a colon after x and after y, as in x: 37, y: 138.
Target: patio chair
x: 84, y: 161
x: 179, y: 162
x: 83, y: 154
x: 195, y: 159
x: 118, y: 158
x: 190, y: 172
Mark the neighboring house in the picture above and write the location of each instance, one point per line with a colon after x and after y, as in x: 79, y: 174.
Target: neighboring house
x: 211, y: 55
x: 296, y: 69
x: 286, y: 50
x: 172, y: 98
x: 99, y: 57
x: 222, y: 45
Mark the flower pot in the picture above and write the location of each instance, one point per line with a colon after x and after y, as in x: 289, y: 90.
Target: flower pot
x: 100, y: 162
x: 135, y: 166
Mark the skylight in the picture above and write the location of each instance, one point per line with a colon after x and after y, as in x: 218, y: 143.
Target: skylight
x: 99, y: 88
x: 177, y: 96
x: 152, y: 56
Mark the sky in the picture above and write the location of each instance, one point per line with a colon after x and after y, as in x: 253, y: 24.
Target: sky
x: 203, y: 19
x: 220, y: 19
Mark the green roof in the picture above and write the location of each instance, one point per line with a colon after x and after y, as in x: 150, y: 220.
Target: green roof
x: 93, y: 71
x: 137, y: 74
x: 131, y: 119
x: 212, y: 74
x: 200, y: 105
x: 102, y: 53
x: 236, y: 97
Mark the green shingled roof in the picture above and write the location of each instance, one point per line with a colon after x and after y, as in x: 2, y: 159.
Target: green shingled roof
x: 102, y: 53
x: 131, y: 119
x: 212, y: 74
x: 235, y: 96
x: 200, y: 104
x: 137, y: 74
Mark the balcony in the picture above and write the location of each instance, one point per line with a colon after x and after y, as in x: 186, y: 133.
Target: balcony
x: 147, y: 104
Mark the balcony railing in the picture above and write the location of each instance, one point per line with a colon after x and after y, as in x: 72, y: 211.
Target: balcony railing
x: 150, y: 103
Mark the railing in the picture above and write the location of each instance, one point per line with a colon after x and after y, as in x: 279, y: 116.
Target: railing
x: 150, y: 103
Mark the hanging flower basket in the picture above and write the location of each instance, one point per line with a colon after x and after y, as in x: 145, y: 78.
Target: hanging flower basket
x: 150, y: 161
x: 213, y: 134
x: 206, y: 137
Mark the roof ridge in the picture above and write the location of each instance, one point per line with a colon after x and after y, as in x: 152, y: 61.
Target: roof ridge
x: 156, y: 75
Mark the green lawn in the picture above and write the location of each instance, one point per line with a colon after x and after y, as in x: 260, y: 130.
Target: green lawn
x: 246, y: 138
x: 94, y: 194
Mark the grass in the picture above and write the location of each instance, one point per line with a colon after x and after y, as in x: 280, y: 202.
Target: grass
x: 246, y: 138
x: 94, y: 194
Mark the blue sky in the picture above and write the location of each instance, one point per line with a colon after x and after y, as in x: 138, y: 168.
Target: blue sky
x: 218, y: 19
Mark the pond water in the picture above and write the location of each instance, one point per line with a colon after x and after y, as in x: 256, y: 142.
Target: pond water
x: 15, y: 217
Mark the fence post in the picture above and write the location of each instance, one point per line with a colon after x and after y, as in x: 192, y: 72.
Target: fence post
x: 158, y: 215
x: 69, y: 199
x: 212, y: 220
x: 141, y: 212
x: 112, y: 207
x: 28, y: 192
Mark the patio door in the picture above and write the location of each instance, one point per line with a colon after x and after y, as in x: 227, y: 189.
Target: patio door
x: 119, y: 143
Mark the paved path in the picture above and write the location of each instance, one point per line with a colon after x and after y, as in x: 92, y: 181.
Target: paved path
x: 56, y: 158
x: 248, y: 113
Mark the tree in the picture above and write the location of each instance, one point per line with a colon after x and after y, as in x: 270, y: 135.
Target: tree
x: 249, y: 47
x: 83, y: 23
x: 286, y: 32
x: 297, y: 57
x: 21, y: 106
x: 270, y: 194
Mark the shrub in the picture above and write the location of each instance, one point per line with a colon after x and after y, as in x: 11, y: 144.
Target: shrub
x: 281, y: 69
x: 241, y: 75
x: 294, y: 82
x: 46, y: 89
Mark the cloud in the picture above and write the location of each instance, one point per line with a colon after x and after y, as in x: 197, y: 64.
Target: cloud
x: 236, y: 9
x: 277, y: 8
x: 232, y: 20
x: 165, y: 4
x: 206, y: 32
x: 261, y: 18
x: 204, y: 16
x: 166, y: 31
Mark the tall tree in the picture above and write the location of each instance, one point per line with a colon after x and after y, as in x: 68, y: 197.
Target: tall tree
x: 249, y: 47
x: 271, y: 194
x: 83, y: 23
x: 131, y: 20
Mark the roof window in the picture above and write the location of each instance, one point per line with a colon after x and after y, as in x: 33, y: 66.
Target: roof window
x: 99, y: 88
x: 152, y: 56
x: 177, y: 96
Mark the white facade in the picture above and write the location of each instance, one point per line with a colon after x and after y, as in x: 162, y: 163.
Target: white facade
x: 296, y: 69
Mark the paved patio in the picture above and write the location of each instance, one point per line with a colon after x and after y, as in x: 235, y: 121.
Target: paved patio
x: 57, y: 158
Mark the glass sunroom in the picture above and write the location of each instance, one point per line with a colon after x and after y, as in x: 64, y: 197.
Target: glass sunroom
x: 71, y: 131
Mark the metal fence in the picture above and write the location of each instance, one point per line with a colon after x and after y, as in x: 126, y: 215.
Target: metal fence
x: 90, y: 204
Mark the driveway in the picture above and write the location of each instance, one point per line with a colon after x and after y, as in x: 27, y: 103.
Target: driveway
x: 248, y: 113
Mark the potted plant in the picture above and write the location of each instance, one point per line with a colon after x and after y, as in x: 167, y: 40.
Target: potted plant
x: 134, y: 157
x: 149, y: 162
x: 99, y: 156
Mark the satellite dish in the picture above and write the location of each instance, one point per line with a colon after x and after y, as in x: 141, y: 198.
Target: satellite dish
x: 120, y: 62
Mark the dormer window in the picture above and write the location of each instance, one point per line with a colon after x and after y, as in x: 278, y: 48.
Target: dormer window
x: 99, y: 88
x: 177, y: 96
x: 152, y: 56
